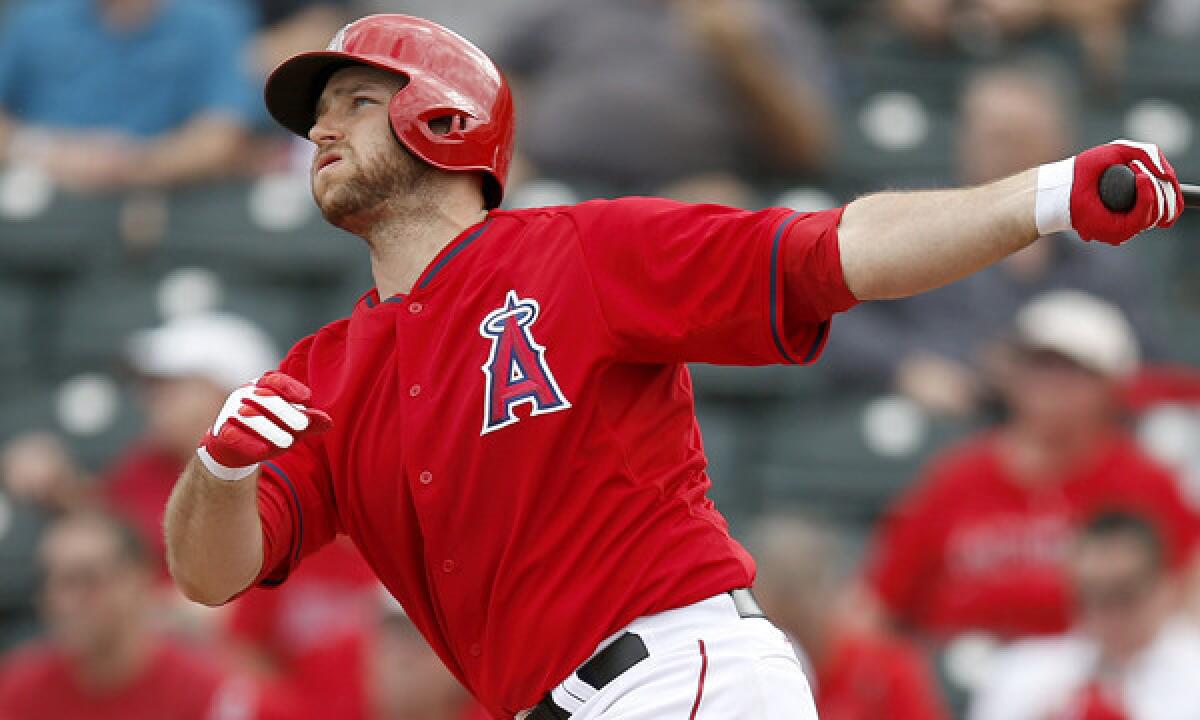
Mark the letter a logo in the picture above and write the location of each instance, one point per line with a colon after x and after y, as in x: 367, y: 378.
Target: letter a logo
x: 516, y: 371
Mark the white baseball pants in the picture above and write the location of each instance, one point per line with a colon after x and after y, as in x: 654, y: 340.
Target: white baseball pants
x: 705, y: 663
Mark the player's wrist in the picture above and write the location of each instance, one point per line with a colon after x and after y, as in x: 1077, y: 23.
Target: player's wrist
x: 220, y: 470
x: 1053, y: 204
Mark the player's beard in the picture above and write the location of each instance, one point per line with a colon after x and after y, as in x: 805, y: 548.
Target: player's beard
x: 392, y: 182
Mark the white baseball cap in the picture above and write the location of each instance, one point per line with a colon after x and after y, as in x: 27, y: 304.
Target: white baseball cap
x: 1085, y: 329
x: 226, y: 349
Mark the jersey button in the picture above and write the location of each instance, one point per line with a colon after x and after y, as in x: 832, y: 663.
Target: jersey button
x: 415, y: 390
x: 448, y: 566
x: 476, y: 650
x: 426, y: 478
x: 415, y: 308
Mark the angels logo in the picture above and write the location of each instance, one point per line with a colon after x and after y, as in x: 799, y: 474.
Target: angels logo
x: 516, y: 371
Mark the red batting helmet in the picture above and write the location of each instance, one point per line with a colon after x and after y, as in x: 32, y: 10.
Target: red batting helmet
x: 448, y: 77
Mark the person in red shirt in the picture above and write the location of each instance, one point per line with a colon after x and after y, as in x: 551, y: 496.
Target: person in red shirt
x: 504, y: 425
x: 102, y: 659
x: 404, y: 679
x: 186, y: 367
x: 1130, y: 655
x: 301, y: 639
x: 980, y: 543
x: 858, y: 675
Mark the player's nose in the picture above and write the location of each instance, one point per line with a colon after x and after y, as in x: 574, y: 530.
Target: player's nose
x: 324, y: 131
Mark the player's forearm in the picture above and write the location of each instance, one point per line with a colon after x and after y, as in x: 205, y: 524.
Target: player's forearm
x: 214, y: 535
x: 900, y: 244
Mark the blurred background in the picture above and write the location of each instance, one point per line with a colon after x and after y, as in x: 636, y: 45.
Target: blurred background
x: 982, y: 503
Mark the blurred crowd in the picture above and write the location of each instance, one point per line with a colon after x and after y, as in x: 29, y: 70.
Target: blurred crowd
x: 1043, y: 566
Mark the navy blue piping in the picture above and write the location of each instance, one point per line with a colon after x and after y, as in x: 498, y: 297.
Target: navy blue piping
x: 395, y: 299
x: 816, y: 346
x: 450, y: 255
x: 775, y: 244
x: 299, y: 540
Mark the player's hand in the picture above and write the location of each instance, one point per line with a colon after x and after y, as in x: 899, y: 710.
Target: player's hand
x: 1068, y: 195
x: 259, y: 421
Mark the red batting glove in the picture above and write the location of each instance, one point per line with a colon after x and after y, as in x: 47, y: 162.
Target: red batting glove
x: 1068, y: 194
x: 258, y: 422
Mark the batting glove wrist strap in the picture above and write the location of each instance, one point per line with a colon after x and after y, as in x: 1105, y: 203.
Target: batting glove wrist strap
x: 1053, y: 207
x: 258, y: 422
x: 221, y: 472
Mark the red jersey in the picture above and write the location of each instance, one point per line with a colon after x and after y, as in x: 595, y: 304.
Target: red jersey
x: 867, y: 677
x: 37, y: 683
x: 972, y: 549
x: 310, y: 626
x: 515, y: 449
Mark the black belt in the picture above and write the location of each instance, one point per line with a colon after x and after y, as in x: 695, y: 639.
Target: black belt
x: 623, y: 653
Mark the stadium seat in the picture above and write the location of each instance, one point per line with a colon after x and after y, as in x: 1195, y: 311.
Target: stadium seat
x: 849, y: 458
x: 733, y: 436
x: 63, y: 238
x: 226, y: 226
x: 98, y: 314
x: 16, y: 331
x: 771, y: 382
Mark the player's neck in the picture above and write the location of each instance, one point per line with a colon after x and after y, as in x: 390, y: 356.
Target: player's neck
x: 404, y: 244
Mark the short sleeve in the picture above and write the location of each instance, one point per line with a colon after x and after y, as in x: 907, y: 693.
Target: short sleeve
x: 708, y: 283
x: 295, y: 497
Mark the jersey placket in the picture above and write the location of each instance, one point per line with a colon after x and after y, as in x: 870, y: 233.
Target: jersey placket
x: 425, y: 481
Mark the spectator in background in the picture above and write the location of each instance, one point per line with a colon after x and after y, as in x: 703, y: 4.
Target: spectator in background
x: 677, y: 97
x: 937, y: 348
x: 287, y: 27
x: 187, y: 368
x: 992, y: 26
x: 405, y: 680
x: 112, y: 94
x: 103, y: 660
x: 483, y: 23
x: 301, y: 639
x: 38, y: 481
x: 1129, y: 658
x: 855, y: 675
x: 979, y: 543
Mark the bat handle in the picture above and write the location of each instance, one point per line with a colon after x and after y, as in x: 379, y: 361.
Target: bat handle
x: 1191, y: 196
x: 1118, y: 188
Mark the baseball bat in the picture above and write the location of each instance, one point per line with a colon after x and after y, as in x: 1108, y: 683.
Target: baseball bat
x: 1118, y: 190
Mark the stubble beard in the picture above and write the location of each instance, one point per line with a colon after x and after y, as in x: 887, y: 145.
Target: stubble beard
x: 387, y: 186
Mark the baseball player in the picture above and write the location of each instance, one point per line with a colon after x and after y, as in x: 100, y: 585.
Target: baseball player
x: 504, y: 425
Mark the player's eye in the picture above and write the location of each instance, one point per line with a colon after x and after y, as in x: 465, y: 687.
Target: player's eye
x: 362, y: 100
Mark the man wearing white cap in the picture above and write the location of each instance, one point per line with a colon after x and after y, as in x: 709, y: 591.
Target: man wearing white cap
x: 187, y: 367
x: 979, y: 543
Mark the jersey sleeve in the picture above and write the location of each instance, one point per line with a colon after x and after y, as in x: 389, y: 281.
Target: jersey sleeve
x: 708, y: 283
x: 295, y: 496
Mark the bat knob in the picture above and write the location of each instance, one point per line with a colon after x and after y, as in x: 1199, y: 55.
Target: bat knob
x: 1118, y: 188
